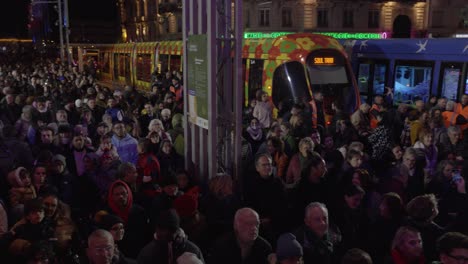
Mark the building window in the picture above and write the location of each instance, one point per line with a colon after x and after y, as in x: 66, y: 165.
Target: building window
x: 247, y: 19
x: 286, y: 17
x: 438, y: 19
x: 374, y: 18
x: 348, y: 18
x: 322, y: 18
x: 264, y: 18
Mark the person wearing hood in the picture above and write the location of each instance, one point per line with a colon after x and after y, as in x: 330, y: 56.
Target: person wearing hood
x: 169, y: 241
x: 21, y: 191
x: 120, y: 203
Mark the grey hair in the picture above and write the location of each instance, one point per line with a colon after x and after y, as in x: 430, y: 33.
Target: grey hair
x: 450, y: 106
x: 453, y: 130
x: 313, y: 205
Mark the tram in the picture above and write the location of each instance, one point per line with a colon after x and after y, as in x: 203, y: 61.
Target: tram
x: 290, y: 68
x: 410, y: 68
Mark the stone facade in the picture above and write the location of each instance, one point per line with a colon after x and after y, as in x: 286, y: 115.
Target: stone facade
x: 150, y: 20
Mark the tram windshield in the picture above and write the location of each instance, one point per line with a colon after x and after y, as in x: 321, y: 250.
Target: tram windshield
x: 290, y: 84
x: 328, y: 74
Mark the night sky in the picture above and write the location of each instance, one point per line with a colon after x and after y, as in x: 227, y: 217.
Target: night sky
x: 14, y: 15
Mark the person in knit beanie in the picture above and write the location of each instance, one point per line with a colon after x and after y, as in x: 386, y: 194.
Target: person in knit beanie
x: 113, y: 224
x: 288, y: 250
x: 191, y: 220
x: 169, y: 243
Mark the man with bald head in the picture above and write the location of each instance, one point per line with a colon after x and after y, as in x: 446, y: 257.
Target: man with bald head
x: 244, y: 245
x: 102, y: 250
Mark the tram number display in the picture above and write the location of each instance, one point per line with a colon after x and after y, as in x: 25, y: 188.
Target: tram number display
x: 324, y: 60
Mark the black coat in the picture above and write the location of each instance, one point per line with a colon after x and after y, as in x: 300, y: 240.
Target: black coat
x: 227, y: 251
x: 316, y: 250
x: 157, y: 250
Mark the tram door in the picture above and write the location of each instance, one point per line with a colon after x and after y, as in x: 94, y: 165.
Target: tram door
x: 255, y: 76
x: 116, y: 67
x: 128, y: 76
x: 451, y: 80
x: 372, y: 77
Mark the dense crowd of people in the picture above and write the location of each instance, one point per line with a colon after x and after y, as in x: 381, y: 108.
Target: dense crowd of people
x: 96, y: 175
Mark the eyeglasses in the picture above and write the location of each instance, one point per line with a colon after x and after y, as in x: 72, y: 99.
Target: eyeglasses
x: 100, y: 250
x: 459, y: 259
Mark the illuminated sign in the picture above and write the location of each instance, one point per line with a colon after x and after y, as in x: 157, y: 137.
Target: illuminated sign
x: 324, y: 60
x: 461, y: 35
x: 257, y: 35
x: 337, y: 35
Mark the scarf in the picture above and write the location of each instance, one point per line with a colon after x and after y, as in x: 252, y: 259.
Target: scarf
x: 255, y: 133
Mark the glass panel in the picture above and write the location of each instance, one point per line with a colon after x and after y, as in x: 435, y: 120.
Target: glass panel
x: 290, y: 84
x: 328, y: 74
x: 164, y: 62
x: 143, y: 67
x: 363, y: 77
x: 412, y: 82
x: 175, y: 63
x: 106, y: 62
x: 116, y: 65
x: 450, y: 83
x: 466, y: 85
x: 379, y: 78
x: 255, y: 77
x: 127, y: 68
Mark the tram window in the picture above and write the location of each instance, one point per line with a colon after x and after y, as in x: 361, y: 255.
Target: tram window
x: 290, y: 84
x: 451, y: 80
x: 164, y: 62
x: 116, y: 65
x: 105, y: 62
x: 332, y: 79
x: 363, y: 77
x: 121, y: 65
x: 379, y: 78
x: 466, y: 85
x: 143, y: 67
x: 411, y: 82
x: 255, y: 77
x: 175, y: 63
x: 127, y: 68
x: 244, y: 94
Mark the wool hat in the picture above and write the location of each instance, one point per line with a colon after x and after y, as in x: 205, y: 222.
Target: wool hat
x: 168, y: 219
x: 186, y: 205
x: 107, y: 221
x: 288, y: 247
x: 60, y: 158
x: 14, y: 177
x: 188, y: 258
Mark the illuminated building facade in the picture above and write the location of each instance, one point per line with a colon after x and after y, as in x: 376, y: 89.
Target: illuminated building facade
x: 147, y: 20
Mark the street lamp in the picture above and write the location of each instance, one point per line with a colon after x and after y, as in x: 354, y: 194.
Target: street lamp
x: 63, y: 25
